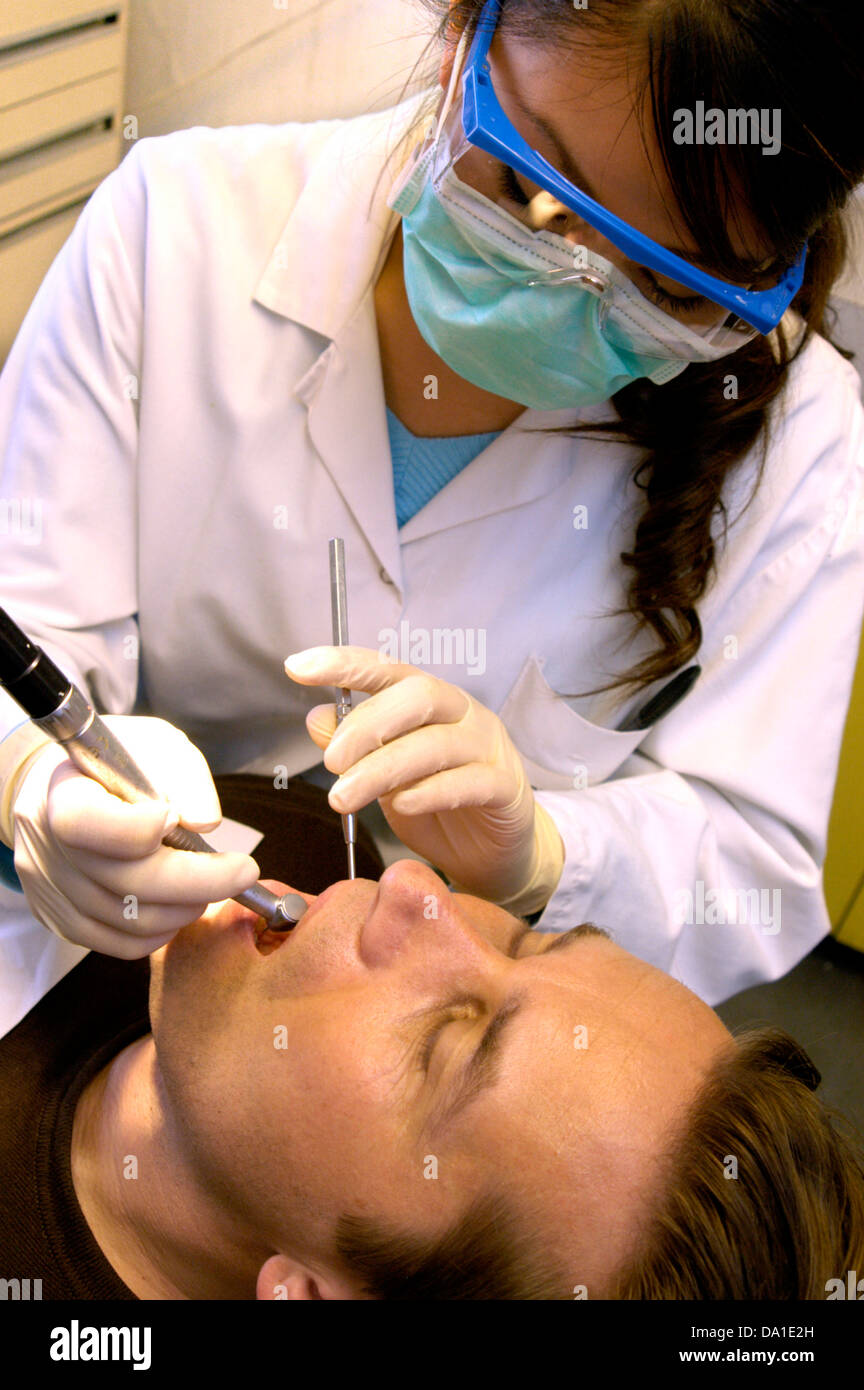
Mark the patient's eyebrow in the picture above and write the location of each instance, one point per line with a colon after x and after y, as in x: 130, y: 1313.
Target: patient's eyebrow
x: 483, y: 1069
x: 574, y: 934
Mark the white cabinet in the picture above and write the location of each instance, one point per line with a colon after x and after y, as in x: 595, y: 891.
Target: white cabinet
x: 62, y: 69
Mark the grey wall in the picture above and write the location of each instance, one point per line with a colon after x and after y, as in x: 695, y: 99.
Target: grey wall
x: 850, y: 332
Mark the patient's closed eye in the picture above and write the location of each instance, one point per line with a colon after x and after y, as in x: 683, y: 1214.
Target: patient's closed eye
x: 451, y: 1013
x: 462, y: 1008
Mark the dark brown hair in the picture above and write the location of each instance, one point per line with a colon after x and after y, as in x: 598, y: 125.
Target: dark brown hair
x: 760, y: 1196
x: 787, y: 54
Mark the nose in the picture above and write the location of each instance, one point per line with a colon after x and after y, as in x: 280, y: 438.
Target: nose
x: 545, y: 212
x: 413, y: 910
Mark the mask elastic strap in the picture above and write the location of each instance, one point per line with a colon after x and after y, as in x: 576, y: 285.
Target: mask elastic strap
x: 454, y: 78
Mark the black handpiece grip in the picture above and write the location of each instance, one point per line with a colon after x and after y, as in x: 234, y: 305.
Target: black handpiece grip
x: 41, y: 689
x: 27, y: 673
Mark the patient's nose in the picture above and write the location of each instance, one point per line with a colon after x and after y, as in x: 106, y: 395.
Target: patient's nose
x: 412, y: 908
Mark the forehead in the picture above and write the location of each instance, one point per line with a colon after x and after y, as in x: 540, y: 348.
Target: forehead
x: 591, y: 980
x: 604, y: 1042
x: 568, y: 1015
x: 627, y: 998
x: 597, y: 99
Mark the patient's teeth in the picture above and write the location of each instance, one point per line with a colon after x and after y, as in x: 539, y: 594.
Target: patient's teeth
x: 268, y: 941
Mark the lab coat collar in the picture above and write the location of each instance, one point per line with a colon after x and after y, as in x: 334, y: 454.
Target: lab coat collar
x: 340, y: 226
x: 344, y: 384
x: 320, y: 275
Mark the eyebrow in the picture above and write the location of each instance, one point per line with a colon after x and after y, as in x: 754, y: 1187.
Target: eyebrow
x: 483, y: 1069
x: 575, y: 175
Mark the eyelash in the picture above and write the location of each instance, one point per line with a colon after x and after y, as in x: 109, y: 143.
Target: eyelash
x: 669, y: 301
x: 509, y: 185
x: 450, y: 1014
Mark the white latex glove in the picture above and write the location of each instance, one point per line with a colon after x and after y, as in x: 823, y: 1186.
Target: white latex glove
x: 449, y: 781
x: 91, y: 866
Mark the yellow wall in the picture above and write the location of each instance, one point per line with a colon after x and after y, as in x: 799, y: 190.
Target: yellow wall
x: 844, y: 865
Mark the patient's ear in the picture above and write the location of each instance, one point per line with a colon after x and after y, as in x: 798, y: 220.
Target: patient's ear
x: 282, y: 1277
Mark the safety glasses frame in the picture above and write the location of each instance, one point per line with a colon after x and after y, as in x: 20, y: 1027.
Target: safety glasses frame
x: 487, y: 126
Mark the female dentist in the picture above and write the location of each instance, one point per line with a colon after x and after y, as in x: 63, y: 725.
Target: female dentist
x: 564, y: 389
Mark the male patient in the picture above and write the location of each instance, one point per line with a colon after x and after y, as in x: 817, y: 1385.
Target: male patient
x: 411, y: 1095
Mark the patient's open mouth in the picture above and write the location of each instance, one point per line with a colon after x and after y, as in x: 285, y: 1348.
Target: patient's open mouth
x: 268, y: 941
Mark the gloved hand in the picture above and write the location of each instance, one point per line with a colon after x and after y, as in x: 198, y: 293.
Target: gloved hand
x: 91, y: 866
x: 448, y: 779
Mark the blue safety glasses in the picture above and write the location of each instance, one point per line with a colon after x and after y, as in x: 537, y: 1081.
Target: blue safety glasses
x: 488, y: 127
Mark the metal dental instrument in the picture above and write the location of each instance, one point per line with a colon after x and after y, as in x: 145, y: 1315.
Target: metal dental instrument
x: 58, y: 707
x: 339, y: 613
x: 339, y: 616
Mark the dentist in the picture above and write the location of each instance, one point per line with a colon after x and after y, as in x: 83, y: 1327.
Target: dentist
x: 557, y: 378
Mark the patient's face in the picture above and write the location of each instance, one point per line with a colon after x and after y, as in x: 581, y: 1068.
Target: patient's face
x: 324, y: 1076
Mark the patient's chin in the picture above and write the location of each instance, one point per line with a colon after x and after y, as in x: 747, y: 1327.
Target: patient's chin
x: 191, y: 986
x: 176, y: 965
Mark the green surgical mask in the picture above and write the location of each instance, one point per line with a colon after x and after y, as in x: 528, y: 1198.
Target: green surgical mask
x: 470, y: 276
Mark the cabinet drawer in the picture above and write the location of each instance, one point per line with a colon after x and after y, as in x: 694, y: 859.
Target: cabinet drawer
x: 28, y: 73
x: 36, y: 184
x: 57, y: 113
x: 21, y: 20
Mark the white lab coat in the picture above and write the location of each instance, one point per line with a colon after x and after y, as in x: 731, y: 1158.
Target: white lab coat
x: 194, y: 405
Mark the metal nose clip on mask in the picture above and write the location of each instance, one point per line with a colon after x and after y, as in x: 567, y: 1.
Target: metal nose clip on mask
x: 59, y: 708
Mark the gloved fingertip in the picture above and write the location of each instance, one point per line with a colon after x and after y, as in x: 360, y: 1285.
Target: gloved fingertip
x: 303, y: 663
x: 172, y: 818
x: 240, y: 872
x: 321, y: 724
x: 201, y: 826
x: 254, y: 873
x: 236, y: 859
x: 200, y: 810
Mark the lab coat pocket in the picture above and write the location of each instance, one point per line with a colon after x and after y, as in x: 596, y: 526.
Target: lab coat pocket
x: 560, y: 749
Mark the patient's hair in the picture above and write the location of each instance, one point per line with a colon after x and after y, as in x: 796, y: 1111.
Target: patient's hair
x: 791, y: 1219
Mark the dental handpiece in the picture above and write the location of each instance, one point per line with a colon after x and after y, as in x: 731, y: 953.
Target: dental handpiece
x: 60, y: 709
x: 339, y: 616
